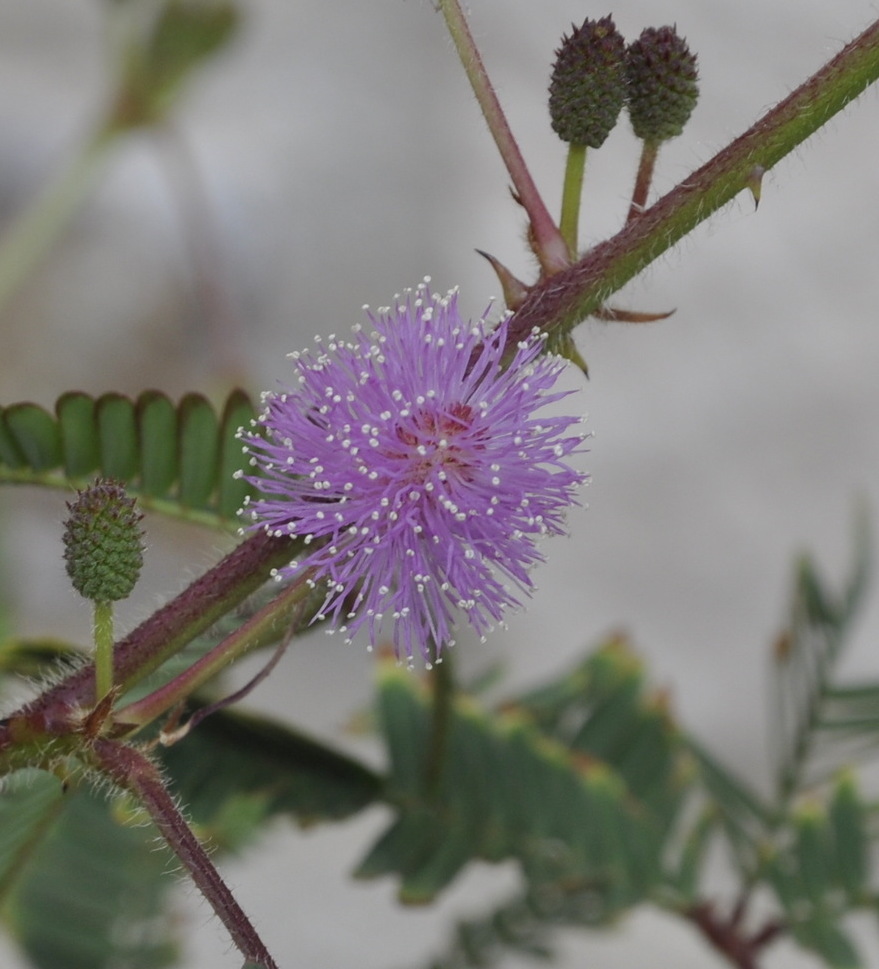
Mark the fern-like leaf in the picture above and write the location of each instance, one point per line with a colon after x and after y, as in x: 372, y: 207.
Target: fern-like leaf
x: 179, y: 459
x: 507, y: 789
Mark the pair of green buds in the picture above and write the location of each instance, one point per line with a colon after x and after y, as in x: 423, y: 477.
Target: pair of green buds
x: 595, y: 74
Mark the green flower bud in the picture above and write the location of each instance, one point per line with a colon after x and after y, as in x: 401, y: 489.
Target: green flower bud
x: 662, y: 78
x: 588, y: 85
x: 103, y: 547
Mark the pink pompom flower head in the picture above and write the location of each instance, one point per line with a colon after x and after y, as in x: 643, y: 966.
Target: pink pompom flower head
x: 412, y: 463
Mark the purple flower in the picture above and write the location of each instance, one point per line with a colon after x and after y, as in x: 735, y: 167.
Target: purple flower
x: 412, y: 462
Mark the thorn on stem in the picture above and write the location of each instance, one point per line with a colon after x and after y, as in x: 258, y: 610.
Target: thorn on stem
x: 612, y: 314
x: 514, y: 289
x: 755, y: 183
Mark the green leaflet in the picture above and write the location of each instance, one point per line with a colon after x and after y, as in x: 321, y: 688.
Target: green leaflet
x: 199, y: 448
x: 117, y: 435
x: 824, y: 937
x: 52, y: 842
x: 34, y: 437
x: 78, y: 430
x: 687, y: 863
x: 819, y: 723
x: 602, y: 709
x: 156, y: 420
x: 508, y: 790
x: 819, y: 871
x: 179, y: 459
x: 231, y: 491
x: 745, y: 818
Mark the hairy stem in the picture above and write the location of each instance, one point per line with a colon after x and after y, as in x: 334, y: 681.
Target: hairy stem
x: 549, y: 245
x: 132, y: 771
x: 646, y: 164
x: 262, y: 628
x: 573, y: 294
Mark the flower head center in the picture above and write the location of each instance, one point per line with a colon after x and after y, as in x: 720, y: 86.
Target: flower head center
x: 440, y: 443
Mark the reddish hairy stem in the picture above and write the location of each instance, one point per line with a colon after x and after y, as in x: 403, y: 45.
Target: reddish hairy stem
x: 132, y: 771
x: 286, y: 610
x: 549, y: 246
x: 646, y: 164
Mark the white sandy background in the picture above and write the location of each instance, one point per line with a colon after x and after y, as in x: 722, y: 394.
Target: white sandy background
x: 343, y: 158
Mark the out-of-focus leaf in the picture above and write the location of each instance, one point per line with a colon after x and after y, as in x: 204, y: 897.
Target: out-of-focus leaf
x: 33, y: 657
x: 505, y: 789
x: 685, y: 874
x: 11, y: 455
x: 80, y: 444
x: 849, y: 833
x: 262, y: 768
x: 602, y: 709
x: 826, y: 938
x: 117, y: 433
x: 232, y: 490
x: 157, y: 427
x: 199, y: 448
x: 160, y: 61
x: 29, y: 803
x: 80, y: 890
x: 819, y: 869
x: 817, y: 724
x: 34, y: 434
x: 184, y: 34
x: 745, y: 818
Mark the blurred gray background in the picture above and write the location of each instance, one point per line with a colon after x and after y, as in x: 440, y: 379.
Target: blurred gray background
x: 340, y: 157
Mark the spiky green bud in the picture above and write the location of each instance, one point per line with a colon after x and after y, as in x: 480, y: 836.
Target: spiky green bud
x: 663, y: 84
x: 103, y: 547
x: 588, y: 85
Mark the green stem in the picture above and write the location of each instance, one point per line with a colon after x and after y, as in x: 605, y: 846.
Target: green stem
x: 103, y: 615
x: 574, y: 293
x: 549, y: 245
x: 290, y: 609
x: 168, y: 507
x: 32, y: 233
x: 649, y: 151
x: 571, y: 195
x: 443, y: 684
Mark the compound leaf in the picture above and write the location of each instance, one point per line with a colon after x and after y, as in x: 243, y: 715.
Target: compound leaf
x: 503, y: 789
x: 179, y: 459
